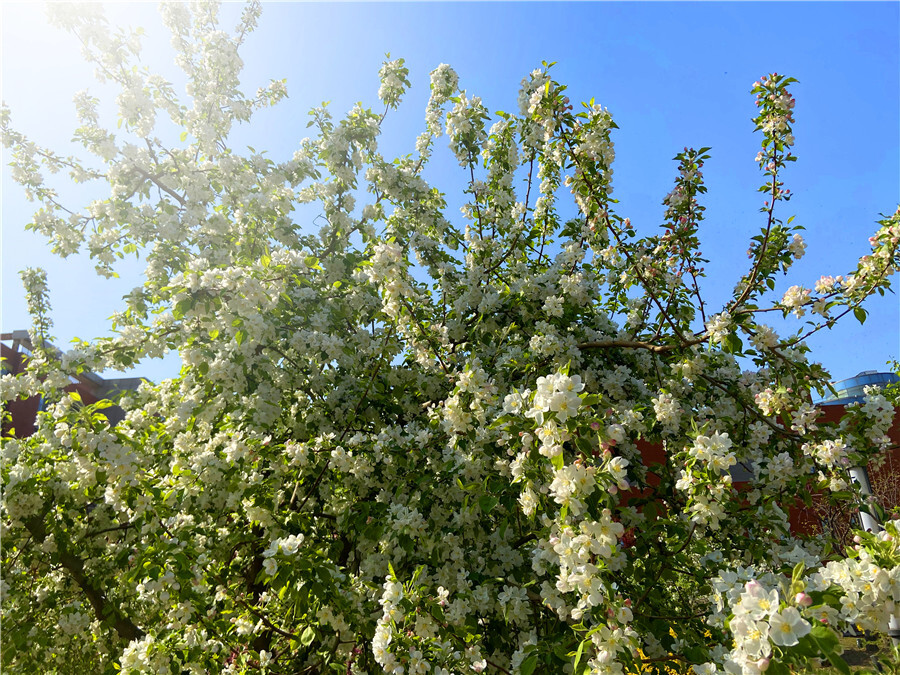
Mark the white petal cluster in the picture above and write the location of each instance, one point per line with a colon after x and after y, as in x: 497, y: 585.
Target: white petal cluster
x: 719, y: 327
x: 760, y: 620
x: 556, y: 393
x: 388, y: 270
x: 668, y: 411
x: 572, y: 484
x: 715, y: 451
x: 141, y: 657
x: 794, y: 300
x: 880, y: 412
x: 392, y: 594
x: 871, y: 592
x: 465, y: 128
x: 393, y: 82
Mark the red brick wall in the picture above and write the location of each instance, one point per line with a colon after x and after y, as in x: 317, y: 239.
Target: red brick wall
x: 24, y: 412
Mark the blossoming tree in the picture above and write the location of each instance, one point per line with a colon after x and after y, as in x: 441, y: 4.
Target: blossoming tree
x: 412, y: 442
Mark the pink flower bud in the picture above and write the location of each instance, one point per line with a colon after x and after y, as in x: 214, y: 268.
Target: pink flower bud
x: 763, y: 665
x: 803, y: 599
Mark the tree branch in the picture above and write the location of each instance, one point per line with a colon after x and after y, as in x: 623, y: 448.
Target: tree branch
x: 104, y: 610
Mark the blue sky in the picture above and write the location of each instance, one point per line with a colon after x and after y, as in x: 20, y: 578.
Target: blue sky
x: 672, y: 74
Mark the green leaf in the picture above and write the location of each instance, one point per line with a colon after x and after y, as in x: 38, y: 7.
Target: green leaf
x: 860, y: 314
x: 240, y: 336
x: 838, y: 662
x: 528, y: 665
x: 733, y: 344
x: 181, y: 307
x: 696, y: 653
x: 183, y: 136
x: 807, y: 647
x: 590, y: 399
x: 487, y: 503
x: 558, y: 461
x: 307, y: 636
x: 578, y: 655
x: 825, y: 638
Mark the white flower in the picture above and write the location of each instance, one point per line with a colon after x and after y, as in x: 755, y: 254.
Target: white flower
x: 826, y: 284
x: 765, y: 337
x: 787, y: 627
x: 797, y: 247
x: 757, y: 602
x: 667, y: 409
x: 794, y: 300
x: 393, y: 82
x: 705, y: 669
x: 553, y: 305
x: 718, y: 327
x: 752, y: 636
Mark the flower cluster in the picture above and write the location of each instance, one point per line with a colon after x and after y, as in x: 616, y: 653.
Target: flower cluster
x: 394, y: 82
x: 557, y: 394
x: 794, y: 300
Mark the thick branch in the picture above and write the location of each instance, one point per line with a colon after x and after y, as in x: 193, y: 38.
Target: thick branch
x: 156, y: 181
x: 637, y: 344
x: 103, y: 608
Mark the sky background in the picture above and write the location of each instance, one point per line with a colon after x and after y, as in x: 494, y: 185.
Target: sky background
x: 672, y: 75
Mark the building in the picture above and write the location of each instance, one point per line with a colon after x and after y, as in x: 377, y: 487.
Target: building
x: 15, y: 349
x: 883, y: 477
x: 852, y: 390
